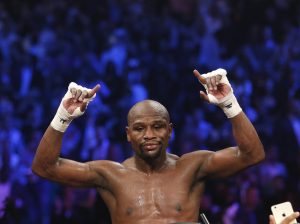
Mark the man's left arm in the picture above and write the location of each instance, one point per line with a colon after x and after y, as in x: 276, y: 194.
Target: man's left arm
x: 249, y: 149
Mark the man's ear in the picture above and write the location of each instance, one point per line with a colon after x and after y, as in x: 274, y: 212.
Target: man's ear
x: 170, y: 129
x: 127, y: 133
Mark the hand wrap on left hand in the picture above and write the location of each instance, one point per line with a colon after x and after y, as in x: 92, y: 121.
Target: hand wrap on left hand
x: 229, y: 102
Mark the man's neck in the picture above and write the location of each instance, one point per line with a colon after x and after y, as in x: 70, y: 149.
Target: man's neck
x: 152, y: 165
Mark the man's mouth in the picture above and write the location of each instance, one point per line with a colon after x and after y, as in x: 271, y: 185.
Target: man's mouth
x: 150, y: 146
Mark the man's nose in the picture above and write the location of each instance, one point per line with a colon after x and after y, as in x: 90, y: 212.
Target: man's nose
x: 149, y: 134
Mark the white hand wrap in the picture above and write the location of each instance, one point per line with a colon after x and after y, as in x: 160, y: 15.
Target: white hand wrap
x: 63, y: 118
x: 229, y: 103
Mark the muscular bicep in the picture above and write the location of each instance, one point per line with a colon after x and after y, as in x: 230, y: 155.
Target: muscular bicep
x: 223, y: 163
x: 48, y: 164
x: 76, y: 174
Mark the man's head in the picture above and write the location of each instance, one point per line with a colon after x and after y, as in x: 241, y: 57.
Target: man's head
x: 149, y: 129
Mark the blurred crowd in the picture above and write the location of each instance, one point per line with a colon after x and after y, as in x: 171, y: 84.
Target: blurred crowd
x: 147, y: 49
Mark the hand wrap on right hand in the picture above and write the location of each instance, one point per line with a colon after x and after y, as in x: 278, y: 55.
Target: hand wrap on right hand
x: 63, y: 118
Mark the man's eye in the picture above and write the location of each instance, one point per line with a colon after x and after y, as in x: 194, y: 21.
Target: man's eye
x: 138, y: 128
x: 158, y: 126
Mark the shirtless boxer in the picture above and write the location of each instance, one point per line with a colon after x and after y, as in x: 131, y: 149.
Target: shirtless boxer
x: 153, y: 186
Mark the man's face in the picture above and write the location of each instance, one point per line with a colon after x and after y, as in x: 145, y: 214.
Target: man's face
x: 149, y: 135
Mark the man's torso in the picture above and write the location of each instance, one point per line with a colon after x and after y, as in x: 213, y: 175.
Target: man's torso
x: 169, y: 195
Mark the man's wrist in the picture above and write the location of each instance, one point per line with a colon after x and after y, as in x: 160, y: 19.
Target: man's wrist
x: 231, y: 107
x: 61, y: 120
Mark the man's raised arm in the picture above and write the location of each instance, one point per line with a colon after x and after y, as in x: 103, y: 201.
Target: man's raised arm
x: 47, y: 162
x: 249, y: 149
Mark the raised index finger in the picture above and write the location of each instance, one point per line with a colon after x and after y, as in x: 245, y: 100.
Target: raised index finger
x: 201, y: 79
x: 93, y: 91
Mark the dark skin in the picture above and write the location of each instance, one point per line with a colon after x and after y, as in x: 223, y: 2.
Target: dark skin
x: 153, y: 186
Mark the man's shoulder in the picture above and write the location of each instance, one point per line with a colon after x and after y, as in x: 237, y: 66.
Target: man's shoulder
x: 197, y: 155
x: 173, y: 156
x: 105, y: 164
x: 128, y: 162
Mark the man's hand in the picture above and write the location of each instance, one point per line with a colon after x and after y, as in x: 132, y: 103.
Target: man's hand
x: 287, y: 220
x: 78, y: 97
x: 73, y: 105
x: 213, y: 86
x: 219, y: 91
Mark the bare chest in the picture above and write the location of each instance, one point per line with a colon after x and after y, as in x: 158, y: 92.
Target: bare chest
x: 158, y: 195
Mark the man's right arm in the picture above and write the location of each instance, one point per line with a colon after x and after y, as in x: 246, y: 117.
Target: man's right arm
x: 48, y: 164
x: 47, y: 161
x: 249, y: 150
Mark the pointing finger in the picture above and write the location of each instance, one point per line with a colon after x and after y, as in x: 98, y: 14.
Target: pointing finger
x: 201, y: 79
x: 89, y: 94
x: 93, y: 91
